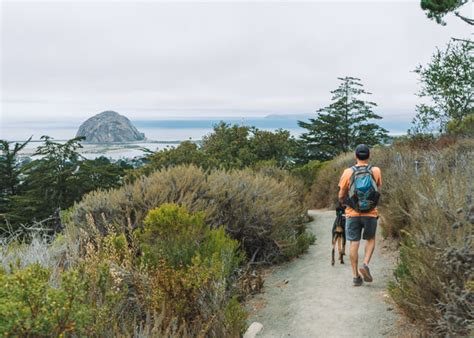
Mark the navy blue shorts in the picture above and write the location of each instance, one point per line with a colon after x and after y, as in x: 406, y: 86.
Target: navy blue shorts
x: 354, y: 226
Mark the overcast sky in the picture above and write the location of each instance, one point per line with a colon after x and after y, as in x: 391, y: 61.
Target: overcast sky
x: 66, y: 61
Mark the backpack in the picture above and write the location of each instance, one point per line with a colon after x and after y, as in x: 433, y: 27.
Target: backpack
x: 363, y: 191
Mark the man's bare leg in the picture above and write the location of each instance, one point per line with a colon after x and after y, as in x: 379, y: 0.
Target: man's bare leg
x: 354, y: 255
x: 369, y: 250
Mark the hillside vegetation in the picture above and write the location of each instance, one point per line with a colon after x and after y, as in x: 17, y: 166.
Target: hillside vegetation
x: 427, y: 205
x: 169, y: 254
x: 174, y: 277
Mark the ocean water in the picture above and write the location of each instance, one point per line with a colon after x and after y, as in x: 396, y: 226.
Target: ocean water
x: 155, y: 130
x: 159, y: 133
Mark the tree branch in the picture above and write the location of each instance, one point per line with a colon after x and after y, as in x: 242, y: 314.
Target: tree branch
x: 463, y: 40
x: 465, y: 19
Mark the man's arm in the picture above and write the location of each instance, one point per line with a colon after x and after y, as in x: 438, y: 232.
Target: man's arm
x: 342, y: 194
x: 378, y: 177
x: 343, y: 187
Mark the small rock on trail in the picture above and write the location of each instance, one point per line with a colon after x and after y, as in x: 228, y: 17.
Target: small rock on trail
x: 254, y: 329
x: 319, y: 299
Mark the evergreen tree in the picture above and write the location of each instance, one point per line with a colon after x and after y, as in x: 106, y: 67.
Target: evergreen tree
x: 48, y: 184
x: 99, y: 173
x: 9, y: 172
x: 37, y: 190
x: 9, y: 166
x: 343, y: 124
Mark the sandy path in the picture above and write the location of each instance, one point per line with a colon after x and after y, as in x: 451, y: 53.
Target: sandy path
x: 308, y: 297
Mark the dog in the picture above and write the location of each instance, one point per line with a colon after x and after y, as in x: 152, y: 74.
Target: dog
x: 339, y: 235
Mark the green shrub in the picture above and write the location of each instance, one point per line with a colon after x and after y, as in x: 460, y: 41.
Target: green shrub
x: 299, y: 245
x: 174, y: 275
x: 195, y: 295
x: 296, y: 183
x: 191, y: 268
x: 308, y: 172
x: 235, y: 317
x: 217, y: 248
x: 128, y: 206
x: 170, y: 232
x: 178, y: 237
x: 31, y: 306
x: 259, y: 211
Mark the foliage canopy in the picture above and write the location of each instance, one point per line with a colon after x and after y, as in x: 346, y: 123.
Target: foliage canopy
x: 448, y: 83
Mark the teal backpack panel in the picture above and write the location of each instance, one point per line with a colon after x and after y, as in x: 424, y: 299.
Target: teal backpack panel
x: 363, y: 191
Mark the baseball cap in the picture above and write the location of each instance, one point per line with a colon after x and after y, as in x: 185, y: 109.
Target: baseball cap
x: 362, y: 151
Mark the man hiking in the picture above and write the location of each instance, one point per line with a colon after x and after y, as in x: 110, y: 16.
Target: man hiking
x: 359, y: 190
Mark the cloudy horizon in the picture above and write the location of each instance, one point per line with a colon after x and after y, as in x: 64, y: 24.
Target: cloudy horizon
x: 66, y: 61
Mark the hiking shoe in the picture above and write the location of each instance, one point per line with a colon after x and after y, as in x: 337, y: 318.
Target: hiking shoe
x: 365, y: 272
x: 357, y: 281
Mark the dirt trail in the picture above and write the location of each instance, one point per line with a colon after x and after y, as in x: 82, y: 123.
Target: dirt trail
x: 308, y: 297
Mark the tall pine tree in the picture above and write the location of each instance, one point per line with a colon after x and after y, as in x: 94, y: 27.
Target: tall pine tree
x: 343, y: 124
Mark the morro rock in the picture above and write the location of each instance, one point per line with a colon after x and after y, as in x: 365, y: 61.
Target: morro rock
x: 108, y: 127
